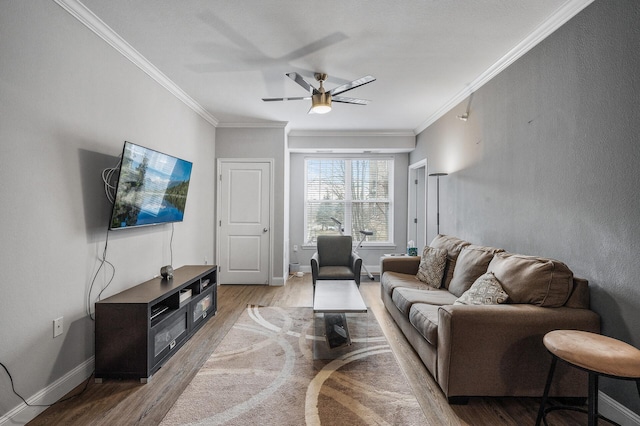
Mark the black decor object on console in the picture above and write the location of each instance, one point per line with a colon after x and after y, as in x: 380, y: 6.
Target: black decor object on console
x: 152, y: 188
x: 166, y: 272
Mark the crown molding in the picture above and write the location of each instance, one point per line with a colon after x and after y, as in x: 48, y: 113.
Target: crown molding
x: 98, y: 26
x: 567, y: 11
x: 359, y: 151
x: 354, y: 133
x: 257, y: 125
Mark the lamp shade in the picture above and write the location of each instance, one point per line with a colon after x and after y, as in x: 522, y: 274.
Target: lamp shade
x: 321, y: 103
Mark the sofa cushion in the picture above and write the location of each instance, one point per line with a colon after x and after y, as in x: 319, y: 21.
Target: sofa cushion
x: 424, y: 318
x: 432, y: 264
x: 404, y: 297
x: 486, y: 290
x: 534, y: 280
x: 471, y: 263
x: 453, y: 246
x: 579, y: 297
x: 392, y: 280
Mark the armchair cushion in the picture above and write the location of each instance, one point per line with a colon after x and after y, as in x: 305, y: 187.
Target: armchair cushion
x: 335, y: 273
x: 334, y: 250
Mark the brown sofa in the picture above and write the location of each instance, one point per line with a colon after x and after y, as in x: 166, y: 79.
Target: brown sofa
x: 489, y: 350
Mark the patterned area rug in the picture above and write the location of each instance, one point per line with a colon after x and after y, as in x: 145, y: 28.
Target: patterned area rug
x: 264, y: 372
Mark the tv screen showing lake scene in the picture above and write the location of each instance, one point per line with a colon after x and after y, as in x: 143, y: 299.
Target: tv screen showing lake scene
x: 152, y: 188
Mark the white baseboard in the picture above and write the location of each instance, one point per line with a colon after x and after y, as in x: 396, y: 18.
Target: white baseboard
x: 22, y: 414
x: 613, y: 410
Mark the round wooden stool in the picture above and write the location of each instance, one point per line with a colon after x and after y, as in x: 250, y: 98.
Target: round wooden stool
x: 598, y: 355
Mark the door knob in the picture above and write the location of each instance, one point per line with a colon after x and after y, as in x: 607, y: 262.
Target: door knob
x: 265, y: 230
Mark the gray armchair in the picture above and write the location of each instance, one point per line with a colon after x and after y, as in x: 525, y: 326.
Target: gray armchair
x: 335, y: 260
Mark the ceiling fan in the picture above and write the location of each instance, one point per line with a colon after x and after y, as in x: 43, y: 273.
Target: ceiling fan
x: 321, y: 99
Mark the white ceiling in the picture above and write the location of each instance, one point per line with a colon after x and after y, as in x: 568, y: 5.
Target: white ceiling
x: 427, y: 55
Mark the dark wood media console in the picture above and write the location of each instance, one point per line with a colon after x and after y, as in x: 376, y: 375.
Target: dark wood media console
x: 138, y: 329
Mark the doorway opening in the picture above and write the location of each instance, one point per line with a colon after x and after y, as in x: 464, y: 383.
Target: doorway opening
x: 417, y: 208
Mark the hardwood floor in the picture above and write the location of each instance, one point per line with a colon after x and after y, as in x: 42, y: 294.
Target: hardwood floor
x: 131, y: 403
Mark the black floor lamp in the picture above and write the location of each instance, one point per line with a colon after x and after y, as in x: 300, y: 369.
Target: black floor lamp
x: 437, y: 175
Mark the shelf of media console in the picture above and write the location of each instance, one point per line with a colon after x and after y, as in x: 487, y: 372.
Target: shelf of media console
x: 139, y: 329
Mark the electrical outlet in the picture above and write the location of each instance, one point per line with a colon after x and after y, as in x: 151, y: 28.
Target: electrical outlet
x: 206, y: 262
x: 295, y: 247
x: 58, y: 326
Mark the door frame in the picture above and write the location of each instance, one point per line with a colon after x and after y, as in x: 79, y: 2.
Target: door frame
x: 411, y: 199
x: 271, y: 163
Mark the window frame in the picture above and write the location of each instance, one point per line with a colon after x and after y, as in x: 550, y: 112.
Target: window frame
x: 349, y: 201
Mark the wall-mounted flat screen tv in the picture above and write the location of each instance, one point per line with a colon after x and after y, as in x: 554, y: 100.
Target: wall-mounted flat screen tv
x: 151, y: 189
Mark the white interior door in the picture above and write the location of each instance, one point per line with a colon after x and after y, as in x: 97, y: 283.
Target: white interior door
x: 244, y: 222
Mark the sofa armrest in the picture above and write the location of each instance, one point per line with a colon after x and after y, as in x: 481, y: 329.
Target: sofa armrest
x: 491, y: 349
x: 402, y: 264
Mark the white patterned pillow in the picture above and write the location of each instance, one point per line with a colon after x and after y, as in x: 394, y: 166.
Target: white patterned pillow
x: 431, y: 269
x: 486, y: 290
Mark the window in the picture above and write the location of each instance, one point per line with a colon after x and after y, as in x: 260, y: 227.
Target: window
x: 355, y: 192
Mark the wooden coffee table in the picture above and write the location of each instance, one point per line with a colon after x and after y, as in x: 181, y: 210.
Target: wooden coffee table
x: 332, y: 301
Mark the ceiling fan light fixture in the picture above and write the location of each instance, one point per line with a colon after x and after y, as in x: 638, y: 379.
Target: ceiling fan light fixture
x: 321, y: 103
x: 320, y: 98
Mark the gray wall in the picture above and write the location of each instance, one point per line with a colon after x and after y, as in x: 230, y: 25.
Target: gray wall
x: 267, y: 142
x: 548, y: 163
x: 68, y: 103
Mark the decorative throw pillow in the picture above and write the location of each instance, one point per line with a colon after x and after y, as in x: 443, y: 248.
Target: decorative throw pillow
x: 432, y: 264
x: 486, y: 290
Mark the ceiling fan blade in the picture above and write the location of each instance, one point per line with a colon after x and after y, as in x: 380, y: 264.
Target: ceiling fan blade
x: 355, y: 83
x: 301, y: 81
x: 346, y: 100
x: 286, y: 99
x: 323, y: 43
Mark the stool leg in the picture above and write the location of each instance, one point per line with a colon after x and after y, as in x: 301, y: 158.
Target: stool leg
x: 593, y: 398
x: 547, y: 386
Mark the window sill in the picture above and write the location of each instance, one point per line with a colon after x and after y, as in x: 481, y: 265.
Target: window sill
x: 369, y: 246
